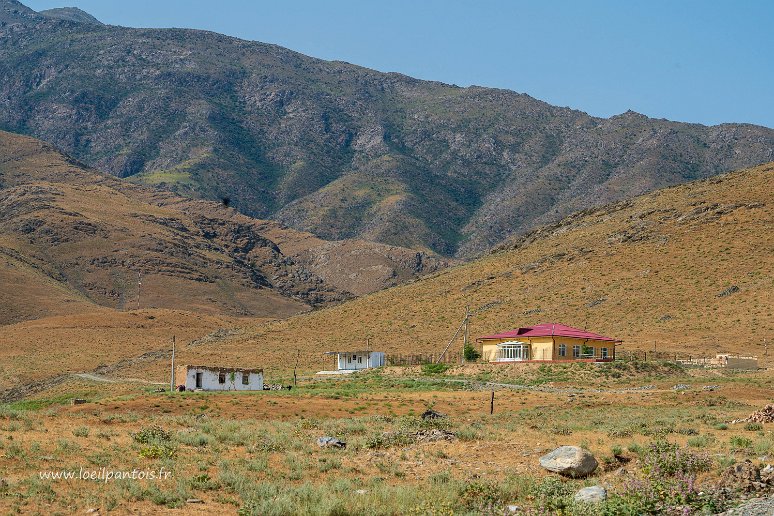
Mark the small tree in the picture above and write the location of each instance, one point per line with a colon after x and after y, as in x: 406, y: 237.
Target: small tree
x: 471, y: 355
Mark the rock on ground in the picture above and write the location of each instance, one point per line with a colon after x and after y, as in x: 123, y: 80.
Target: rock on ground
x: 330, y: 442
x: 755, y: 507
x: 593, y: 494
x: 571, y: 461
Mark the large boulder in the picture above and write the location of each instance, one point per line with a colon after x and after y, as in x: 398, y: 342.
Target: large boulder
x: 593, y: 494
x: 570, y: 461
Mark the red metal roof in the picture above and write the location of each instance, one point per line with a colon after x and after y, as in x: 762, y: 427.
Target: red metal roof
x: 548, y: 330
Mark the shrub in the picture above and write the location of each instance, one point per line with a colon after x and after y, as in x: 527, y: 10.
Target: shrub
x: 151, y: 434
x: 478, y: 495
x: 328, y: 464
x: 81, y: 431
x: 435, y: 368
x: 740, y: 443
x: 619, y: 432
x: 157, y: 451
x: 664, y: 495
x: 764, y: 447
x: 156, y: 443
x: 669, y: 485
x: 389, y: 439
x: 553, y: 495
x: 266, y: 443
x: 701, y: 441
x: 753, y: 427
x: 203, y: 482
x: 194, y: 439
x: 663, y: 458
x: 441, y: 478
x: 171, y: 499
x: 466, y: 434
x: 471, y: 355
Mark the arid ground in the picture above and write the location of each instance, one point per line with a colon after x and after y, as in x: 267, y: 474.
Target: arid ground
x: 256, y: 452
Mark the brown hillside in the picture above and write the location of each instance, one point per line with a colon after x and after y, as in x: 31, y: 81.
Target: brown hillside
x: 689, y: 267
x: 31, y: 351
x: 73, y: 237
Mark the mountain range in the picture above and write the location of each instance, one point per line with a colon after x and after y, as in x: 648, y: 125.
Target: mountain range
x: 330, y: 148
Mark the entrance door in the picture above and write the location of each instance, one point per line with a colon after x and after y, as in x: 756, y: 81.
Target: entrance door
x: 199, y: 380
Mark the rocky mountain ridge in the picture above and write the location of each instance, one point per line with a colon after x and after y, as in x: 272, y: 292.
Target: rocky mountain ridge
x: 331, y: 148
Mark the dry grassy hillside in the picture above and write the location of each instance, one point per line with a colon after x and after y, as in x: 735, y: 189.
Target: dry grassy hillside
x: 32, y: 351
x: 73, y: 238
x: 689, y: 267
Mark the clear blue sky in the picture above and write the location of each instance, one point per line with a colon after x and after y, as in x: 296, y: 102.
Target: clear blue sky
x: 696, y: 61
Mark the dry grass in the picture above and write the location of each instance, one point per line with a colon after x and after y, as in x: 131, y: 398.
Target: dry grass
x: 35, y: 350
x: 256, y: 452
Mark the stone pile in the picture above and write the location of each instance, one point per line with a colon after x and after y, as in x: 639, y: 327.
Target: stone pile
x: 765, y: 415
x: 746, y: 476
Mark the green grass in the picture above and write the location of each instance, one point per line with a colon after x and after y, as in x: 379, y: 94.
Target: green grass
x: 165, y: 177
x: 41, y: 403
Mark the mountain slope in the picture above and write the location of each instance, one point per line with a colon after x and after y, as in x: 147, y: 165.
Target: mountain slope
x: 70, y: 14
x: 331, y: 148
x: 72, y: 237
x: 689, y: 269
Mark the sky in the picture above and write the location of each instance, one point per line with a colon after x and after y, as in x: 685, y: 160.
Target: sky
x: 707, y: 61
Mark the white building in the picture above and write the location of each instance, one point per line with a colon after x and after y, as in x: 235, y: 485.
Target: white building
x: 354, y: 360
x: 209, y: 378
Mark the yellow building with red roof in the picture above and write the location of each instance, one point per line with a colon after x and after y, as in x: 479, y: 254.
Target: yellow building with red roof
x: 547, y: 342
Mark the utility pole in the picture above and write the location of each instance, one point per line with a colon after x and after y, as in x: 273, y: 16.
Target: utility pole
x: 172, y: 381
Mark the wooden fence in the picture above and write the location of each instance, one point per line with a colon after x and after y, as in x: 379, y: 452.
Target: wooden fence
x: 644, y: 355
x: 620, y: 355
x: 421, y: 358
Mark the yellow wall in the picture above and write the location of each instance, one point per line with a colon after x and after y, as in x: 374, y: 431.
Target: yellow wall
x: 544, y: 348
x: 489, y: 350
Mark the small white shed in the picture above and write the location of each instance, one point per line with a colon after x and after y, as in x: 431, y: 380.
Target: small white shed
x: 354, y: 360
x: 209, y: 378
